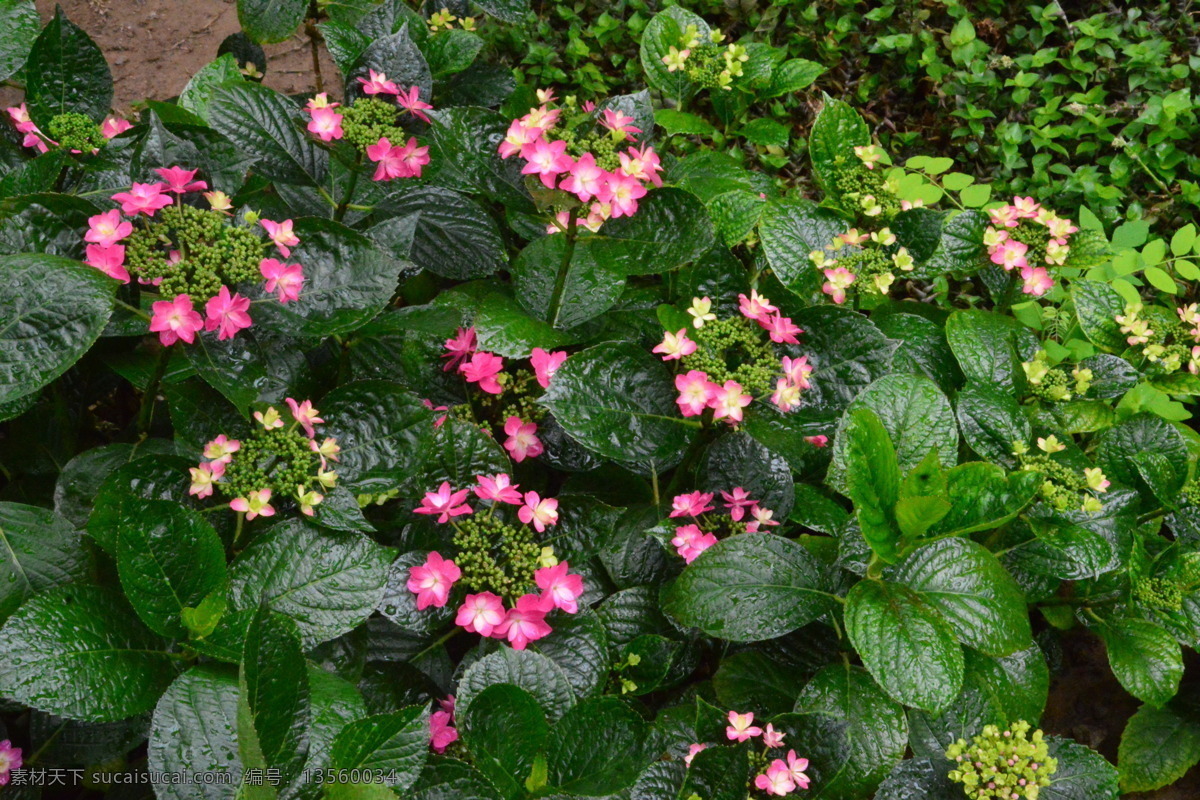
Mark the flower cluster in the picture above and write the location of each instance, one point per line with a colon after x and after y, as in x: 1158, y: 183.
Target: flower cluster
x: 1062, y: 487
x: 276, y: 460
x: 729, y: 362
x: 704, y: 61
x: 508, y: 398
x: 372, y: 125
x: 442, y: 732
x: 496, y: 561
x: 74, y: 131
x: 861, y: 261
x: 1028, y: 237
x: 1003, y: 765
x: 1166, y: 343
x: 444, y: 20
x: 693, y: 538
x: 10, y: 759
x: 575, y: 149
x: 191, y: 255
x: 1052, y: 384
x: 779, y: 777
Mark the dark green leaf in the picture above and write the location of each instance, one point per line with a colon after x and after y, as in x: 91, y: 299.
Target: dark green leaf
x: 533, y: 672
x: 589, y: 285
x: 269, y: 127
x: 454, y: 237
x: 274, y: 689
x: 790, y: 229
x: 397, y: 56
x: 195, y: 731
x: 505, y: 731
x: 1158, y: 746
x: 269, y: 21
x: 1097, y: 306
x: 665, y: 31
x: 598, y: 748
x: 19, y: 25
x: 990, y: 347
x: 1145, y: 658
x: 383, y: 431
x: 992, y: 423
x: 66, y: 72
x: 395, y: 744
x: 38, y: 551
x: 670, y: 228
x: 847, y: 353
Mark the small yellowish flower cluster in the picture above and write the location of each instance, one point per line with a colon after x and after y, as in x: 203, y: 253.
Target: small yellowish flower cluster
x: 704, y: 61
x: 1168, y: 344
x: 870, y: 260
x: 1003, y: 765
x: 1052, y: 383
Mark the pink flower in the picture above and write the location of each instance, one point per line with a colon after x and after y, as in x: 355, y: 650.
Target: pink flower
x: 546, y: 364
x: 737, y: 502
x: 728, y: 401
x: 1010, y: 254
x: 411, y: 101
x: 584, y: 179
x: 445, y: 502
x: 254, y: 504
x: 690, y: 542
x: 203, y: 478
x: 762, y: 517
x: 780, y: 329
x: 786, y: 396
x: 483, y: 369
x: 524, y: 623
x: 1005, y: 216
x: 777, y: 780
x: 538, y: 511
x: 1036, y: 281
x: 522, y: 441
x: 559, y: 589
x: 437, y: 423
x: 692, y: 504
x: 283, y: 279
x: 675, y: 346
x: 110, y: 260
x: 326, y: 124
x: 755, y: 307
x: 480, y: 613
x: 1025, y: 207
x: 837, y: 280
x: 431, y: 582
x: 328, y: 449
x: 615, y: 121
x: 319, y: 101
x: 441, y: 733
x: 692, y: 750
x: 413, y: 158
x: 175, y: 319
x: 741, y: 727
x: 227, y: 314
x: 21, y: 119
x: 622, y: 193
x: 107, y: 228
x: 796, y: 766
x: 541, y: 118
x: 797, y: 371
x: 222, y: 449
x: 305, y: 414
x: 378, y: 83
x: 180, y: 180
x: 517, y: 137
x: 546, y: 160
x: 818, y: 440
x: 114, y: 126
x: 143, y: 198
x: 772, y: 737
x: 459, y: 347
x: 498, y: 488
x: 281, y: 234
x: 10, y: 757
x: 391, y: 165
x: 695, y: 392
x: 642, y: 164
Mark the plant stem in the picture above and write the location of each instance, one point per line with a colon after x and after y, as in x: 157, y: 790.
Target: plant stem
x: 440, y: 641
x: 560, y: 280
x: 146, y: 412
x: 345, y: 204
x: 314, y: 42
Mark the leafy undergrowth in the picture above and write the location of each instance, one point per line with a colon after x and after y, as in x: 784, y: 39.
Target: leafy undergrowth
x: 446, y: 437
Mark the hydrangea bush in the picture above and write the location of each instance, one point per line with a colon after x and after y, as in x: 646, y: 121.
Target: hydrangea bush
x: 431, y: 438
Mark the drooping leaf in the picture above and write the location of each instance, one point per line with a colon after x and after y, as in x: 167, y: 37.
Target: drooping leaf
x: 66, y: 72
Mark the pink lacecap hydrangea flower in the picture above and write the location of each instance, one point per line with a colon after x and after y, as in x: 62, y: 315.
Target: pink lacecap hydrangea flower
x: 285, y: 280
x: 175, y: 319
x: 432, y: 581
x: 522, y: 441
x: 445, y: 502
x: 10, y: 759
x: 541, y: 512
x: 143, y: 198
x: 559, y: 588
x: 545, y: 364
x: 480, y: 613
x: 482, y: 368
x: 525, y: 622
x: 497, y: 488
x: 227, y: 314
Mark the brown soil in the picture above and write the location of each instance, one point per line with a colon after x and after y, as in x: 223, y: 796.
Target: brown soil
x: 154, y: 46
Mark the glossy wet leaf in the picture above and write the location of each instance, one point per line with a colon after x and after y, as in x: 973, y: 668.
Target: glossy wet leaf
x: 66, y: 72
x: 38, y: 551
x: 195, y: 731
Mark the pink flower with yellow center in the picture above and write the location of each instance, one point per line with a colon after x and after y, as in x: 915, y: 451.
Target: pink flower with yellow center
x: 585, y: 179
x: 387, y: 156
x: 786, y: 396
x: 695, y: 392
x: 837, y: 281
x: 114, y: 126
x: 143, y: 198
x: 222, y: 449
x: 622, y: 193
x: 741, y: 727
x: 522, y: 441
x: 413, y: 158
x: 541, y: 512
x: 524, y: 623
x: 10, y: 759
x: 755, y: 307
x: 797, y: 370
x: 691, y: 504
x: 517, y: 137
x: 305, y: 414
x: 107, y: 228
x: 180, y: 180
x: 643, y: 164
x: 227, y: 314
x: 480, y: 613
x: 254, y: 504
x: 690, y: 542
x: 281, y: 234
x: 1026, y: 207
x: 483, y: 368
x: 559, y: 588
x: 285, y: 280
x: 204, y: 477
x: 378, y: 83
x: 319, y: 101
x: 780, y: 329
x: 1036, y: 281
x: 728, y: 401
x: 498, y: 488
x: 432, y: 581
x: 547, y: 160
x: 110, y: 260
x: 445, y: 502
x: 1010, y: 254
x: 326, y: 124
x: 777, y: 780
x: 1005, y: 216
x: 175, y: 319
x: 675, y: 346
x: 411, y: 102
x: 618, y: 122
x: 545, y: 364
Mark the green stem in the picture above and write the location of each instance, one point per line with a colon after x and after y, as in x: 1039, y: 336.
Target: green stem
x: 654, y: 485
x: 438, y: 642
x: 560, y: 280
x: 345, y: 204
x: 237, y: 531
x: 146, y: 412
x: 134, y: 309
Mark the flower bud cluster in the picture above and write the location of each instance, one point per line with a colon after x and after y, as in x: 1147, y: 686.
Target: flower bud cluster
x: 71, y: 130
x: 1052, y: 384
x: 704, y: 61
x: 1008, y: 764
x: 1167, y: 344
x: 856, y: 261
x: 277, y: 460
x: 576, y: 151
x: 731, y: 361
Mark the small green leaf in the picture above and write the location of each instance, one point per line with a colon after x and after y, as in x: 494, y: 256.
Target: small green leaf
x: 1158, y: 746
